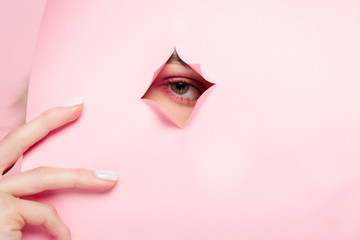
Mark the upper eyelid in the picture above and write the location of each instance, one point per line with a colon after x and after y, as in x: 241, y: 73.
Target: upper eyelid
x: 178, y: 70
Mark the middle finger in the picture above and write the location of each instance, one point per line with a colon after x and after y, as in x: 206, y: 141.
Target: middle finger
x: 49, y: 178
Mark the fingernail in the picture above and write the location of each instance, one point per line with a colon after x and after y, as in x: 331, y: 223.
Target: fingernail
x: 74, y: 102
x: 107, y: 175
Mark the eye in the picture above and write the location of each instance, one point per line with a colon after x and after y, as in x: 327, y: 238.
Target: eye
x: 182, y: 90
x: 176, y: 89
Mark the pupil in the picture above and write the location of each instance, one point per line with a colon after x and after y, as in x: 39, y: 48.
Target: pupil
x: 179, y: 87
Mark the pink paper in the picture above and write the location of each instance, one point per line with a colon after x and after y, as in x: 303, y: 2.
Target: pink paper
x: 272, y: 152
x: 19, y: 26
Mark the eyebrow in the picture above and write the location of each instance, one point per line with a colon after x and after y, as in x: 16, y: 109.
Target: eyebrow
x: 174, y: 58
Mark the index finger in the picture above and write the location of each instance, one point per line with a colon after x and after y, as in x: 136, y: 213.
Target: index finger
x: 23, y: 137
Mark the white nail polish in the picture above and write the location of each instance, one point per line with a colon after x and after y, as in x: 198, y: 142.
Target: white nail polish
x: 72, y: 103
x: 107, y: 175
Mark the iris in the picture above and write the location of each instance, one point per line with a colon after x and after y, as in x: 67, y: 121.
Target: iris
x: 179, y: 87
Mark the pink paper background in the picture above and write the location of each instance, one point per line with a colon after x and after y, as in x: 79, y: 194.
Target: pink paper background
x: 273, y: 151
x: 19, y: 26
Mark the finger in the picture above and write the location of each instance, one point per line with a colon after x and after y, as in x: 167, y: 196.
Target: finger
x: 35, y: 213
x: 49, y: 178
x: 20, y: 139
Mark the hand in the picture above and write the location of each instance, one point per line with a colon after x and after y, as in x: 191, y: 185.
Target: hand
x: 16, y: 212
